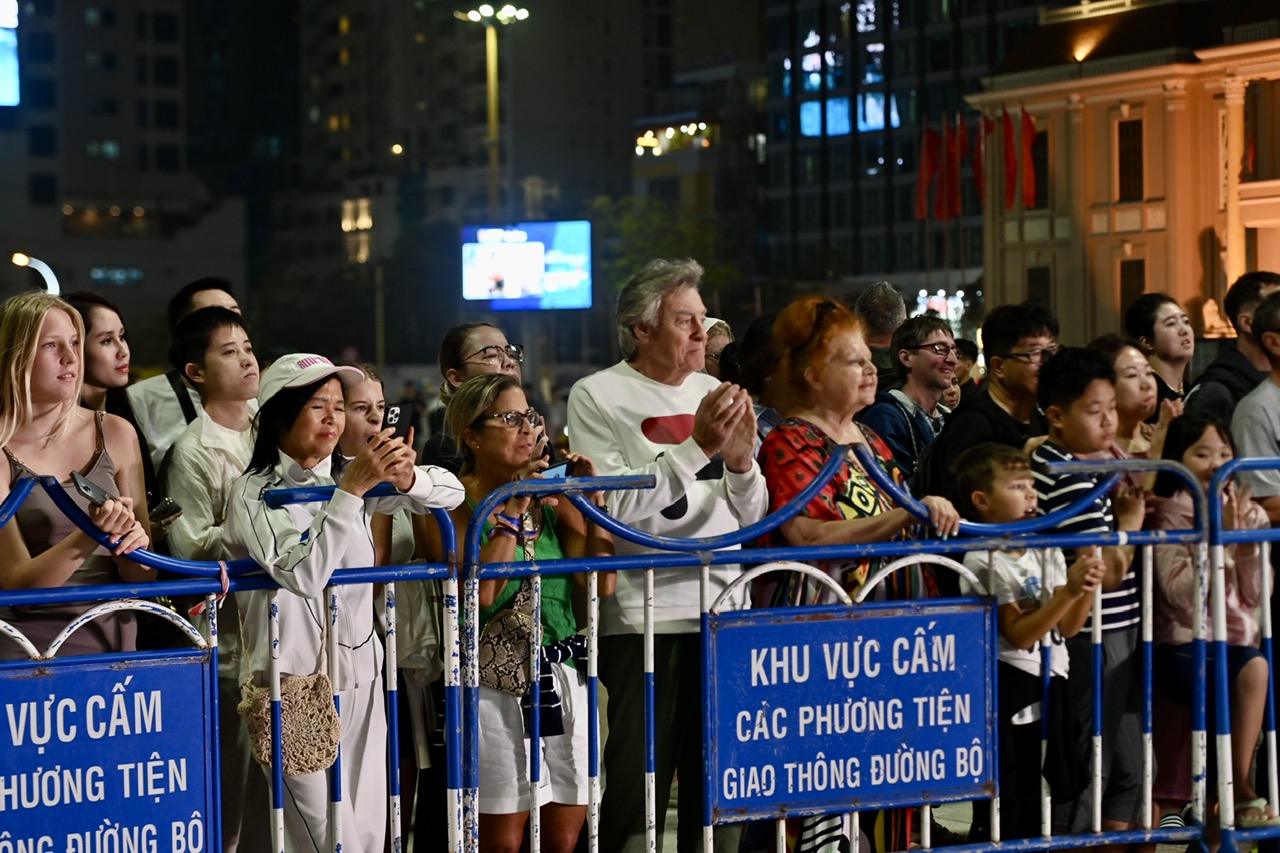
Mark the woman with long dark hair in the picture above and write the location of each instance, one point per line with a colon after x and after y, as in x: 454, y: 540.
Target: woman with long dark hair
x: 1163, y: 331
x: 106, y: 348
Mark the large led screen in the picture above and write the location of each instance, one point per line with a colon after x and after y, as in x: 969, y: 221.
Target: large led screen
x: 9, y: 95
x: 528, y: 266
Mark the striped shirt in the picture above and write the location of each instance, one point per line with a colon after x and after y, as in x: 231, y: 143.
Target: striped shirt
x: 1121, y: 607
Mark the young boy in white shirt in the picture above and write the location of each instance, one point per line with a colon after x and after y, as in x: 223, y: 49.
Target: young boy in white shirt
x: 1039, y: 599
x: 211, y: 348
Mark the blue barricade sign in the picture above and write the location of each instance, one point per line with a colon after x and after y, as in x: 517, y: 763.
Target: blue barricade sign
x: 822, y: 709
x: 109, y: 754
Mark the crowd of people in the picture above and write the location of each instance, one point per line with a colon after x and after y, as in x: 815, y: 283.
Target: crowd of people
x: 731, y: 428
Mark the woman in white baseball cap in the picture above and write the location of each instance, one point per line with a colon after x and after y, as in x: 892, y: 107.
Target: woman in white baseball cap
x: 300, y: 420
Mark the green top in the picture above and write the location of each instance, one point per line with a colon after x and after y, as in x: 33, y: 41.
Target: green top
x: 558, y: 621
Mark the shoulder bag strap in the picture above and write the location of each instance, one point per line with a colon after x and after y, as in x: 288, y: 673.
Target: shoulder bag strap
x: 183, y: 395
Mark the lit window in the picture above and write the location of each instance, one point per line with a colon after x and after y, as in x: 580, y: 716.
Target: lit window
x: 344, y: 25
x: 838, y: 119
x: 356, y: 215
x: 358, y: 248
x: 344, y: 56
x: 865, y: 16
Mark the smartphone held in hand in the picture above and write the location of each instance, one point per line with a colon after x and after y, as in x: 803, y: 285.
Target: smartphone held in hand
x: 397, y: 417
x: 92, y: 492
x: 558, y: 471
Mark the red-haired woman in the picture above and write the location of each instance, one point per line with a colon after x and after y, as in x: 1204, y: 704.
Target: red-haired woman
x: 827, y: 365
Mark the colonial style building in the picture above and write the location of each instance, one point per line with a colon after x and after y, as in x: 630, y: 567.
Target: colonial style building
x: 1155, y: 158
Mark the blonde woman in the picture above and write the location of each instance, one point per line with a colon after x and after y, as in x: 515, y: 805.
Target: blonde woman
x: 496, y: 431
x: 45, y: 432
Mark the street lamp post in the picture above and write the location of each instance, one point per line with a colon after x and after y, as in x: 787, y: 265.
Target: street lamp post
x: 46, y: 272
x: 490, y: 19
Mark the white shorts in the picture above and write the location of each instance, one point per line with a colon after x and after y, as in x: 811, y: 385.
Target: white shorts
x: 504, y: 752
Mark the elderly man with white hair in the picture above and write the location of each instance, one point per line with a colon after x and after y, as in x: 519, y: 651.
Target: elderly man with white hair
x: 656, y: 413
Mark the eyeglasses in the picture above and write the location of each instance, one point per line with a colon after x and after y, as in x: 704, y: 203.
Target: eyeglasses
x: 515, y: 419
x: 939, y: 349
x: 1036, y: 356
x: 495, y: 354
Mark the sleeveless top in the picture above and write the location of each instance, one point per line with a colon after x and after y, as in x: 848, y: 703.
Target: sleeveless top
x: 558, y: 622
x: 42, y: 525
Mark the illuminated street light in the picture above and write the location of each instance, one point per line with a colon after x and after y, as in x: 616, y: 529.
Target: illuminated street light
x: 490, y: 18
x: 46, y: 272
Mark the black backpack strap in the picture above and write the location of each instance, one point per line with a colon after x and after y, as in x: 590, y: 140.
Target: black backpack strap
x: 118, y: 404
x: 184, y: 396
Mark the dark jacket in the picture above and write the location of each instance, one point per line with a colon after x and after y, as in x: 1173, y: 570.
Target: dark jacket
x: 1224, y: 383
x: 976, y: 420
x: 903, y: 426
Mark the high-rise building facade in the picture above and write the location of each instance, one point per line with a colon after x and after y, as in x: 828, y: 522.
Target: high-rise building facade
x: 851, y: 85
x: 99, y: 181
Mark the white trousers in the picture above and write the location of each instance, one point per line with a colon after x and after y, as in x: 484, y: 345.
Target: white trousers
x: 363, y: 810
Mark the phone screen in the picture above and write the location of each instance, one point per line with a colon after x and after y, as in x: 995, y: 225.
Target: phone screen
x: 558, y: 471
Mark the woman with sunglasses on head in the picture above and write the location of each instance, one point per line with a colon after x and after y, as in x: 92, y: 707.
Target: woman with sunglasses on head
x: 497, y: 433
x: 301, y: 416
x: 472, y: 349
x: 824, y: 357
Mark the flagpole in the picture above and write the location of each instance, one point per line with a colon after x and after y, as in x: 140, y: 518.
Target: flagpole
x: 928, y: 257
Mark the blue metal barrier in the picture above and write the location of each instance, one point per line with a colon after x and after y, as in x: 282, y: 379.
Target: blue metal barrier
x: 204, y: 827
x: 992, y: 537
x: 187, y: 807
x: 460, y: 624
x: 1219, y: 537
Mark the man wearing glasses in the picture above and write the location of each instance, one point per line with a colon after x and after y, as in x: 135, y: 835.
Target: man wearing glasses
x: 658, y: 413
x: 910, y: 417
x: 1016, y: 339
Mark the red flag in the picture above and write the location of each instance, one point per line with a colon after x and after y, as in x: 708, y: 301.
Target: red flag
x: 962, y: 151
x: 928, y: 169
x: 986, y: 127
x: 942, y: 201
x: 1028, y: 166
x: 1010, y: 161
